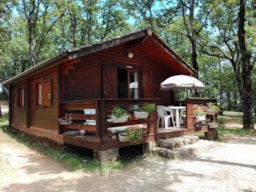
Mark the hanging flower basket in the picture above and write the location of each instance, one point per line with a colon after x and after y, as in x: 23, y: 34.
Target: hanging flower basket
x: 134, y: 135
x: 123, y: 137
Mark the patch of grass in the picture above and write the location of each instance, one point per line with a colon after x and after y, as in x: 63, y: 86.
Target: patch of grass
x: 224, y: 132
x: 236, y: 131
x: 4, y: 122
x: 233, y: 119
x: 71, y: 160
x: 232, y: 114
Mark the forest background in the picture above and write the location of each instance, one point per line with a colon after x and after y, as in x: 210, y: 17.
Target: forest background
x: 216, y: 37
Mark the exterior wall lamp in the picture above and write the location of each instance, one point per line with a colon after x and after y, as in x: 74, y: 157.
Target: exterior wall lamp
x: 130, y: 54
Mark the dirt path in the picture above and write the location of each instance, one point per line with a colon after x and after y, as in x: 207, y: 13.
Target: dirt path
x: 229, y: 168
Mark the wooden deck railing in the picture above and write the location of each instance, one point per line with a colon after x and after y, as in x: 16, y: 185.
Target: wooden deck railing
x: 96, y: 121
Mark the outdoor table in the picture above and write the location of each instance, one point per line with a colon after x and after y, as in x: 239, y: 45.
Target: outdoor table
x: 178, y: 110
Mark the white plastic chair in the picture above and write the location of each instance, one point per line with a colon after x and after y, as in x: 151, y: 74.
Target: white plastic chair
x: 183, y: 116
x: 164, y: 116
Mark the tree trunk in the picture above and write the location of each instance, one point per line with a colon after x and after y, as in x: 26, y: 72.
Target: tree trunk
x: 247, y: 103
x: 245, y: 90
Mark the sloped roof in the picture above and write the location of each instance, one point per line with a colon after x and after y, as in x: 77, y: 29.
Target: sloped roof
x: 169, y: 54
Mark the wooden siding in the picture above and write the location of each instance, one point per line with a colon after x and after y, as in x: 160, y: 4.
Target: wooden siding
x: 37, y: 120
x: 95, y: 76
x: 84, y: 81
x: 45, y: 117
x: 18, y: 114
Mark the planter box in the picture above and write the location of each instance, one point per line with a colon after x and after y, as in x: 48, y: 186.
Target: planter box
x: 141, y: 114
x: 119, y: 119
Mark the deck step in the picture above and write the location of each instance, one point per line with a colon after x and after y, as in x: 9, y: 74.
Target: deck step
x: 177, y: 142
x: 179, y: 148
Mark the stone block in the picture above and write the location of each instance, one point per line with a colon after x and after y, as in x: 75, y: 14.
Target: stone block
x: 107, y: 155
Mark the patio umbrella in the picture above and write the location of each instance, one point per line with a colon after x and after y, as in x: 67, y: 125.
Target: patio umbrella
x: 181, y: 82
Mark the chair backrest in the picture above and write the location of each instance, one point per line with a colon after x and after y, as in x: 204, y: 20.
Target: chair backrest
x: 161, y: 110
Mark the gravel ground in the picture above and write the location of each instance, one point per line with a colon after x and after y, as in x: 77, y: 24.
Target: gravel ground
x: 230, y: 167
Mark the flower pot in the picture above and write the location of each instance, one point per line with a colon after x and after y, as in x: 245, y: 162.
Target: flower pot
x: 119, y: 119
x: 141, y: 114
x: 122, y: 137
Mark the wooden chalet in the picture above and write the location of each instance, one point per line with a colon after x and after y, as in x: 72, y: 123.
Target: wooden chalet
x: 56, y: 98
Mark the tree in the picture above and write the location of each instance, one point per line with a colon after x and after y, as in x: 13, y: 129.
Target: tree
x: 112, y: 19
x: 77, y: 26
x: 245, y: 86
x: 195, y: 18
x: 228, y: 42
x: 40, y: 21
x: 5, y: 37
x: 143, y: 12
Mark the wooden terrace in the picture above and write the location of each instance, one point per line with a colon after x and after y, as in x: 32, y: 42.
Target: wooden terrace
x: 102, y: 134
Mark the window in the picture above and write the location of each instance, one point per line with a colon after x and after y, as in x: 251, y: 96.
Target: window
x: 20, y: 97
x: 43, y: 94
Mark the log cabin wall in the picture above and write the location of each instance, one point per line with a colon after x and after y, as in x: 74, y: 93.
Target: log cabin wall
x: 45, y: 116
x: 95, y: 76
x: 83, y: 82
x: 41, y: 121
x: 18, y: 112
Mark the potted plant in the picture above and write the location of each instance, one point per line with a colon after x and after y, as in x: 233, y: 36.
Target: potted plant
x: 119, y: 115
x: 134, y: 135
x: 144, y: 111
x: 123, y: 137
x: 212, y: 108
x: 199, y: 115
